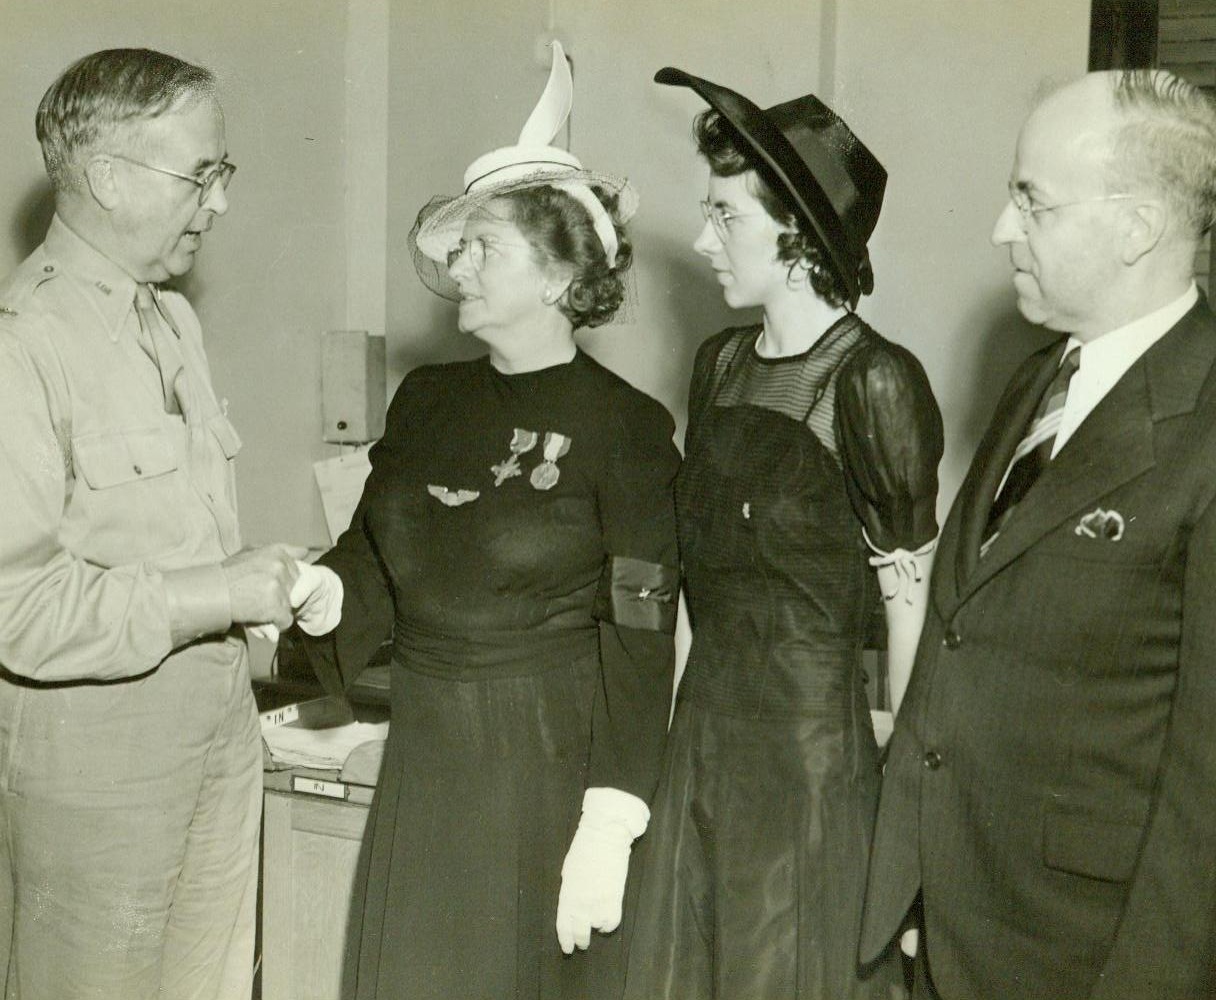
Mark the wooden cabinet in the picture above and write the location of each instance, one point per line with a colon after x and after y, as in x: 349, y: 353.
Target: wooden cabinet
x: 310, y: 843
x: 310, y: 848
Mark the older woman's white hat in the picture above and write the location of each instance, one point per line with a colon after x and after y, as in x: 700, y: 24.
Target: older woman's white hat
x: 532, y: 162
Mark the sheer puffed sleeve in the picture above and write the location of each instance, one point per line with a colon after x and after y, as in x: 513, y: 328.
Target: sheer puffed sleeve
x: 636, y: 602
x: 889, y: 430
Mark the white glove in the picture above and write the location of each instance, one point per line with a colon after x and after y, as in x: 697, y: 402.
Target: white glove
x: 593, y: 874
x: 316, y: 598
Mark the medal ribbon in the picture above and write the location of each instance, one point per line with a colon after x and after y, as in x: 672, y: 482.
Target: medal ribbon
x: 556, y: 445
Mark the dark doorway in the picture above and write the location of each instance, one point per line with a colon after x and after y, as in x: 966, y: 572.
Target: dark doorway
x: 1123, y: 34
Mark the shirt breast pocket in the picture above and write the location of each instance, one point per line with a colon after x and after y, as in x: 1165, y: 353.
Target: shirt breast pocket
x: 114, y: 459
x: 131, y: 506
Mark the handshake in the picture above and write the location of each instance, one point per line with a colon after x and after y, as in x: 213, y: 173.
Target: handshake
x: 270, y: 587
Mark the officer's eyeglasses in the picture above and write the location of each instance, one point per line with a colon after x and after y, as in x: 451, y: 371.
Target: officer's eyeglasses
x: 220, y: 174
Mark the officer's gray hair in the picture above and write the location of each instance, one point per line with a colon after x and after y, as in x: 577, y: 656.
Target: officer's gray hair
x: 106, y: 91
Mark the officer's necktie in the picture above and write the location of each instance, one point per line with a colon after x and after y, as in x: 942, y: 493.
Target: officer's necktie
x: 159, y: 342
x: 204, y: 462
x: 1033, y: 452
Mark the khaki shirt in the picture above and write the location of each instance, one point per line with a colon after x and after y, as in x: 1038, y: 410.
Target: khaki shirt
x: 111, y: 529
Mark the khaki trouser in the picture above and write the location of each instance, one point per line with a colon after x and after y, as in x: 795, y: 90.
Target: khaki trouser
x: 129, y: 824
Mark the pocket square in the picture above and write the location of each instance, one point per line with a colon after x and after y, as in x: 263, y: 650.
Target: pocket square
x: 452, y: 498
x: 1101, y: 523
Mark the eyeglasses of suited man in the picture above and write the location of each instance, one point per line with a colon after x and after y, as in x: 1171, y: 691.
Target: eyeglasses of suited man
x: 1029, y: 211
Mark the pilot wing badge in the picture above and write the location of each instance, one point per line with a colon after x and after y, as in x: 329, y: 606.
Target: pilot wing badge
x: 452, y: 498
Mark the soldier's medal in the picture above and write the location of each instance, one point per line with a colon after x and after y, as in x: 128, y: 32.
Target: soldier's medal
x: 546, y: 475
x: 522, y: 441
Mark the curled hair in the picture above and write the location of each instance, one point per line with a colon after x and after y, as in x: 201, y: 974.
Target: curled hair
x: 728, y: 155
x: 105, y: 91
x: 561, y: 230
x: 1166, y: 142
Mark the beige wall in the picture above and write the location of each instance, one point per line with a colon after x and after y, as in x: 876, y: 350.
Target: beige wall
x: 346, y: 115
x: 938, y: 89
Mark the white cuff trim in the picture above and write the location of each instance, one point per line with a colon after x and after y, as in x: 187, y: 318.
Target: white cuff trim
x: 617, y: 806
x: 907, y: 568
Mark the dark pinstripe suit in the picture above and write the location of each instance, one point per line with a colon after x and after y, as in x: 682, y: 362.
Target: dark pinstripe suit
x: 1051, y: 786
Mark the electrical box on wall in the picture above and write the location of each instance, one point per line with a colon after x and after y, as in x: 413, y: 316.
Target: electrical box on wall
x: 352, y: 386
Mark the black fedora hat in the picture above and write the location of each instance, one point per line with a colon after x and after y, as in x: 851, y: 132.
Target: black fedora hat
x: 834, y: 182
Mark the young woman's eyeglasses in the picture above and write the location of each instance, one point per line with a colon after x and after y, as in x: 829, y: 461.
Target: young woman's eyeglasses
x: 1028, y: 210
x: 220, y: 174
x: 721, y: 218
x: 477, y: 248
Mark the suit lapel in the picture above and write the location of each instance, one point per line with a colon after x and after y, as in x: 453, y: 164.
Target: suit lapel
x: 1009, y: 423
x: 1113, y: 445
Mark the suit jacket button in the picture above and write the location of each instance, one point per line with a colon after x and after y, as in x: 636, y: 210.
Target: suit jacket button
x: 932, y: 760
x: 952, y: 640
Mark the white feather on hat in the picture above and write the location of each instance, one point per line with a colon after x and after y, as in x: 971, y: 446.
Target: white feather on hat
x: 533, y: 161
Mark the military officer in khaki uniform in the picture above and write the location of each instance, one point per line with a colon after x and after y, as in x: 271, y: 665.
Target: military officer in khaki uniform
x: 130, y: 768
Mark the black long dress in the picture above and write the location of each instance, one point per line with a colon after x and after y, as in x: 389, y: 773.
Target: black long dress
x: 753, y: 870
x: 517, y: 537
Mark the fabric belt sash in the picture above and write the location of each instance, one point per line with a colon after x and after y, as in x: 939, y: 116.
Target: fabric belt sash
x: 484, y: 655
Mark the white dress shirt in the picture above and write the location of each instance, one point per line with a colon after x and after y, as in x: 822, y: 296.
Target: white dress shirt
x: 1105, y: 360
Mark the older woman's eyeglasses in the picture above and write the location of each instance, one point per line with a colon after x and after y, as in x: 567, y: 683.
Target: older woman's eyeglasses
x: 477, y: 248
x: 720, y: 218
x: 1028, y: 210
x: 220, y: 174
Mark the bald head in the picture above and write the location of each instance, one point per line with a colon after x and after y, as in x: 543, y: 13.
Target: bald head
x: 1087, y: 105
x: 1142, y: 131
x: 1077, y: 124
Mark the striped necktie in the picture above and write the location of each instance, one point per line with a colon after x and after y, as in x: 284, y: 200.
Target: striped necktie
x: 1033, y: 452
x: 159, y: 344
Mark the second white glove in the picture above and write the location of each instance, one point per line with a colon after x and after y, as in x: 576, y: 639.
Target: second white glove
x: 597, y: 864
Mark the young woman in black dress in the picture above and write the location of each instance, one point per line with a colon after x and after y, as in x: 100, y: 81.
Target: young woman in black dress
x: 810, y: 472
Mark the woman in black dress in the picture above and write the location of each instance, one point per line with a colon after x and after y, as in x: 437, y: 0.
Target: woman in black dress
x: 810, y: 458
x: 516, y: 537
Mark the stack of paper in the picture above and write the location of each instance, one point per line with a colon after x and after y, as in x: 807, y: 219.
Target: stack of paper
x: 323, y: 749
x: 340, y: 480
